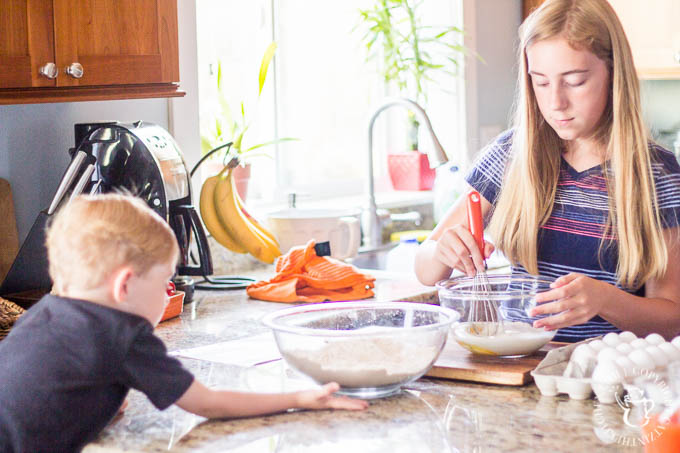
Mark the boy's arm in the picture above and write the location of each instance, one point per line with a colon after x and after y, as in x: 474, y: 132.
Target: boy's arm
x: 201, y: 400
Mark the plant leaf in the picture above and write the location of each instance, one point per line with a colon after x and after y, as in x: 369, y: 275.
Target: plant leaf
x: 266, y: 59
x: 225, y: 112
x: 206, y: 144
x: 246, y: 158
x: 239, y: 139
x: 272, y: 142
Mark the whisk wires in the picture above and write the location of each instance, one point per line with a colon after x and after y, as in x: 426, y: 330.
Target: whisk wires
x: 485, y: 320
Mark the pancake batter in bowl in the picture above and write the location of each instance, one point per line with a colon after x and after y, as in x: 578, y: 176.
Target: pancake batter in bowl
x: 514, y: 340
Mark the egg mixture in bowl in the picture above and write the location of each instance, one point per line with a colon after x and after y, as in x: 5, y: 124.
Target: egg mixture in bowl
x: 511, y: 297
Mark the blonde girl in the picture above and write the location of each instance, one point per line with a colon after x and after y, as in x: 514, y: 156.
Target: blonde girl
x: 576, y: 191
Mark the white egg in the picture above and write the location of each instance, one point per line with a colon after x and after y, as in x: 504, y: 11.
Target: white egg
x: 607, y: 353
x: 642, y: 359
x: 580, y: 348
x: 607, y: 372
x: 612, y: 339
x: 627, y: 336
x: 639, y: 343
x: 659, y: 357
x: 597, y: 345
x: 655, y: 339
x: 671, y: 351
x: 624, y: 348
x: 625, y: 364
x: 584, y: 359
x: 570, y: 371
x: 676, y: 342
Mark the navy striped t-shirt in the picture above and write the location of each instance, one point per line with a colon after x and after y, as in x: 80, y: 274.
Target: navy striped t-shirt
x: 570, y: 239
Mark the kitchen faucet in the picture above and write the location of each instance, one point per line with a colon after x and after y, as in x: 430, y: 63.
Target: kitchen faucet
x: 371, y: 221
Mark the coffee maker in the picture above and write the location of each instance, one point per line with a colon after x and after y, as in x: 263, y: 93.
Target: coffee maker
x: 140, y: 158
x: 143, y: 159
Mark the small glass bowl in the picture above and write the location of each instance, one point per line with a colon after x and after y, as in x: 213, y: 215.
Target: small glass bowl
x: 513, y: 295
x: 370, y: 348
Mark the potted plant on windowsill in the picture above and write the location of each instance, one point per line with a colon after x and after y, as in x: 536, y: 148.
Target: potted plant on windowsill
x: 410, y: 55
x: 224, y: 132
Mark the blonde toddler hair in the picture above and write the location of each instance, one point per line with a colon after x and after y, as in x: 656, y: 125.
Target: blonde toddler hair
x: 93, y: 236
x: 531, y: 180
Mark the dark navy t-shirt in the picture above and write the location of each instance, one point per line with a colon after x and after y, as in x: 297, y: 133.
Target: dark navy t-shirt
x: 66, y: 367
x: 570, y: 239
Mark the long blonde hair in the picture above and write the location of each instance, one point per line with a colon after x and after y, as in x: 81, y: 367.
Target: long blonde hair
x: 533, y: 171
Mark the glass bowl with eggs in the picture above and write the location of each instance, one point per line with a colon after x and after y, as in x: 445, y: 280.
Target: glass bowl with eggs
x: 494, y: 313
x: 370, y: 348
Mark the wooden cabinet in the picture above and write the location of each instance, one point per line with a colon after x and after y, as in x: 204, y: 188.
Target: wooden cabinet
x: 529, y: 5
x: 653, y: 30
x: 96, y: 49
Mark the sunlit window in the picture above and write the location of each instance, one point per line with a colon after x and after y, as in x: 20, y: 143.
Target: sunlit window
x: 319, y: 90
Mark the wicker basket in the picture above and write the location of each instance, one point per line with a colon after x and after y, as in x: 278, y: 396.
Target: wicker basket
x: 9, y: 313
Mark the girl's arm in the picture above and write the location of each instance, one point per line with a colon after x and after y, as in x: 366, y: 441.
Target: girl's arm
x: 200, y: 400
x: 583, y: 298
x: 451, y: 246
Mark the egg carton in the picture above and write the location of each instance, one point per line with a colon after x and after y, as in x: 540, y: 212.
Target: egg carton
x: 608, y: 380
x: 550, y: 381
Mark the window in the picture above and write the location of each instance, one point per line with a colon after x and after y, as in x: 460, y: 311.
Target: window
x: 319, y: 89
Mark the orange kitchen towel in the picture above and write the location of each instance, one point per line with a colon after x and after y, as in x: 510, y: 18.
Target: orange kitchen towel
x: 302, y: 276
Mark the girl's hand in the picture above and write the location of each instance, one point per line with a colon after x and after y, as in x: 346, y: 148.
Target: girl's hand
x: 457, y: 249
x: 323, y: 399
x: 575, y: 297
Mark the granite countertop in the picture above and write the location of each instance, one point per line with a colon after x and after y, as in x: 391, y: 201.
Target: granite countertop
x: 429, y: 415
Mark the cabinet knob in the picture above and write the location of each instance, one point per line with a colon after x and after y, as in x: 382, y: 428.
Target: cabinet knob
x: 75, y: 70
x: 49, y: 70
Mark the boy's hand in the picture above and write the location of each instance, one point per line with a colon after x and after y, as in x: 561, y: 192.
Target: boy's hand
x: 323, y: 399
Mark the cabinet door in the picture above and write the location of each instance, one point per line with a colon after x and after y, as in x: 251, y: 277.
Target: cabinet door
x: 116, y: 42
x: 26, y: 43
x: 653, y: 30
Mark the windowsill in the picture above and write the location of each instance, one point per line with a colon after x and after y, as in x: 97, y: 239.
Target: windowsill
x: 386, y: 200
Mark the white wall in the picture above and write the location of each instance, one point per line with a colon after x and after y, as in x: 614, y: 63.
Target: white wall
x: 34, y: 139
x: 183, y: 112
x: 34, y: 143
x: 491, y: 30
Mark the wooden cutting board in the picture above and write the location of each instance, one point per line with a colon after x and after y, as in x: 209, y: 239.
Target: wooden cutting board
x: 9, y: 239
x: 456, y: 362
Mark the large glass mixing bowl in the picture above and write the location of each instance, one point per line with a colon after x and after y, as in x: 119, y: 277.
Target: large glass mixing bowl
x: 511, y: 297
x: 370, y: 348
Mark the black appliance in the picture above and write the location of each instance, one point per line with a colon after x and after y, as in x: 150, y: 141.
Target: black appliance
x: 141, y: 158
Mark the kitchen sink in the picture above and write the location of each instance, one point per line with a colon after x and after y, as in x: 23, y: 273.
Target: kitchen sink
x: 373, y: 259
x: 377, y: 259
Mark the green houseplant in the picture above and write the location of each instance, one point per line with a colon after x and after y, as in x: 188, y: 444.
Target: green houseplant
x: 224, y: 132
x: 409, y: 55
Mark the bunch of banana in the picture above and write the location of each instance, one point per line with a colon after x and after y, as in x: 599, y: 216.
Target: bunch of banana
x: 230, y: 224
x: 210, y: 219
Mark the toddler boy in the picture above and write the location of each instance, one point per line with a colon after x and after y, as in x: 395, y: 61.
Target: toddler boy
x: 69, y: 362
